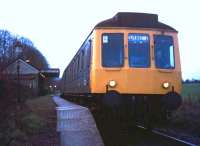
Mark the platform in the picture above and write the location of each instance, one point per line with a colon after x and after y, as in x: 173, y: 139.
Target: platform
x: 76, y: 125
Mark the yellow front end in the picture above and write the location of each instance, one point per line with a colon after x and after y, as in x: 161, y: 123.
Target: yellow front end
x: 130, y: 80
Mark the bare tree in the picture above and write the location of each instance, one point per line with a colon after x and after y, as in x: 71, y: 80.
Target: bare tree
x: 6, y: 40
x: 14, y: 47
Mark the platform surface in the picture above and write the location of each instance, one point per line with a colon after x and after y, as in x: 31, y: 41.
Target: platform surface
x: 76, y: 125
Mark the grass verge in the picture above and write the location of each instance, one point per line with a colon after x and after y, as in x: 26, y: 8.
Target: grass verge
x: 41, y: 122
x: 187, y: 117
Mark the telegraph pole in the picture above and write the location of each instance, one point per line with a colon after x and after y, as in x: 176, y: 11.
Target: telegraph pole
x: 18, y: 102
x: 18, y: 83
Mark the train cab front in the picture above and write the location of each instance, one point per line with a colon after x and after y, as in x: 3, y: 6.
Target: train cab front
x: 139, y: 63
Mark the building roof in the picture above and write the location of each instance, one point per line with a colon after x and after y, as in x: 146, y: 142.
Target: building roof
x: 134, y: 20
x: 51, y: 72
x: 24, y: 68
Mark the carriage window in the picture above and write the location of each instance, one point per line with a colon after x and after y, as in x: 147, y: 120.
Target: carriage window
x: 82, y: 59
x: 112, y: 49
x: 138, y: 49
x: 164, y: 52
x: 88, y: 52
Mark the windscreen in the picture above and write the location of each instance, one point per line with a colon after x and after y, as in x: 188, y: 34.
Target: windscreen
x: 139, y: 50
x: 112, y: 49
x: 164, y: 51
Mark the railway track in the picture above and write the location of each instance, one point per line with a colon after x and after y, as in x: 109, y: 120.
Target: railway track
x: 163, y: 139
x: 124, y: 133
x: 118, y: 133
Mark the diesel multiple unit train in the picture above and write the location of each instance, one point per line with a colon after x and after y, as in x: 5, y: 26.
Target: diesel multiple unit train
x: 130, y: 60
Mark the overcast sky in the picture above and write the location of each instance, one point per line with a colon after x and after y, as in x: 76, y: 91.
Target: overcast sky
x: 59, y: 27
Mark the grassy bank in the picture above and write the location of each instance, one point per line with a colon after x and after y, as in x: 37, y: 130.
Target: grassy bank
x: 187, y: 117
x: 191, y: 92
x: 42, y: 121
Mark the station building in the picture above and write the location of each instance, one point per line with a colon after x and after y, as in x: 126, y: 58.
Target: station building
x: 28, y: 76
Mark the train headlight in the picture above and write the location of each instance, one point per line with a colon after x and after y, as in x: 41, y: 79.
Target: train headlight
x: 112, y: 83
x: 166, y: 85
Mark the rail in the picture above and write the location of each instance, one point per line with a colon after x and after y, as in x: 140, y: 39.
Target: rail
x: 171, y: 139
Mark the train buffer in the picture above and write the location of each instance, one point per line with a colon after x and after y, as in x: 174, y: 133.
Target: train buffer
x: 76, y: 125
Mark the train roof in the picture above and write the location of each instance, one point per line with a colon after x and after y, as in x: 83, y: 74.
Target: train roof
x: 135, y: 20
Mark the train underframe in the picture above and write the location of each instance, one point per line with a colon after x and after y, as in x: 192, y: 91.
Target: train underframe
x: 140, y: 108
